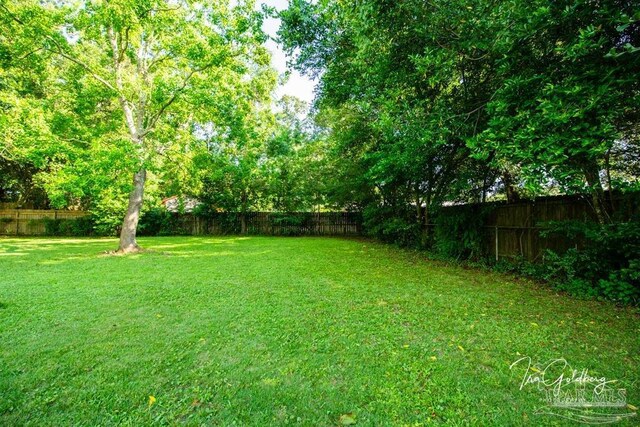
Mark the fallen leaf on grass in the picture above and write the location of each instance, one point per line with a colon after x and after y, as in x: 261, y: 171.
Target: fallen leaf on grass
x: 152, y: 401
x: 347, y: 419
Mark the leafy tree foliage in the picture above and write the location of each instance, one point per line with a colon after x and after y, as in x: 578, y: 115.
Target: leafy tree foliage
x: 277, y: 165
x: 418, y: 104
x: 433, y: 102
x: 124, y: 86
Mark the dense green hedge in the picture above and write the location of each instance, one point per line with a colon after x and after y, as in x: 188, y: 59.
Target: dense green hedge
x: 393, y: 224
x: 460, y: 234
x: 78, y: 227
x: 608, y: 264
x: 160, y: 222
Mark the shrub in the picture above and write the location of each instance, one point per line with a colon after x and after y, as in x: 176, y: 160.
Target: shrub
x: 154, y: 221
x: 607, y: 266
x: 393, y: 225
x: 109, y: 210
x: 79, y: 227
x: 459, y: 232
x: 160, y: 222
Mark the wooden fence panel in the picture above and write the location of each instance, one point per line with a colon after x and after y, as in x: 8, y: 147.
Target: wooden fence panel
x: 514, y: 230
x: 279, y: 224
x: 31, y: 222
x: 509, y: 230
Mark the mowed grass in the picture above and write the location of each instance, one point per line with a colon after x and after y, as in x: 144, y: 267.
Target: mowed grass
x: 275, y: 331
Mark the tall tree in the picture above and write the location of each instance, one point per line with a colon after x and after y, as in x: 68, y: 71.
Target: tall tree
x: 26, y: 141
x: 439, y: 100
x: 156, y: 59
x: 404, y: 99
x: 567, y: 90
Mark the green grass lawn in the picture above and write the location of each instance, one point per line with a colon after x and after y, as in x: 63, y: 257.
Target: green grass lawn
x: 274, y: 331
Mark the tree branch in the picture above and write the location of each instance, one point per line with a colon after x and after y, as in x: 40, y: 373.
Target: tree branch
x: 76, y: 61
x: 25, y: 56
x: 11, y: 15
x: 60, y: 52
x: 124, y: 48
x: 174, y: 97
x: 134, y: 132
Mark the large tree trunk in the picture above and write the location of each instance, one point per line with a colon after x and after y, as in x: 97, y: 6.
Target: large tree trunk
x: 128, y: 242
x: 511, y: 190
x: 243, y: 213
x: 243, y: 223
x: 592, y: 175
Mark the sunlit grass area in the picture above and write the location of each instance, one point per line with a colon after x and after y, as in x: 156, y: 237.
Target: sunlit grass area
x: 274, y: 331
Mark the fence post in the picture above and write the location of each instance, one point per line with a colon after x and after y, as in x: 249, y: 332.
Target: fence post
x: 17, y: 221
x: 496, y: 243
x: 344, y: 224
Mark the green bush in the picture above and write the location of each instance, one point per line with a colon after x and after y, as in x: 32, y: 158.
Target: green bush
x: 459, y: 232
x: 392, y: 225
x: 80, y: 227
x: 160, y: 222
x: 108, y: 211
x: 154, y: 222
x: 607, y: 265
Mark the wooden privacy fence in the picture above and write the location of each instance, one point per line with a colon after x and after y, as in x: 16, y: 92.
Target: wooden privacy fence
x: 514, y: 230
x: 27, y: 222
x: 31, y: 222
x: 507, y: 230
x: 273, y: 224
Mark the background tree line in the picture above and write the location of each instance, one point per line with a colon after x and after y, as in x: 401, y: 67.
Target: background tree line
x: 429, y: 102
x: 418, y: 104
x: 107, y: 104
